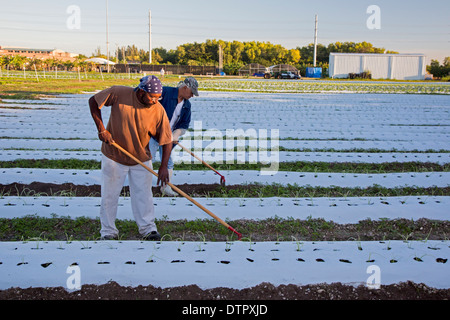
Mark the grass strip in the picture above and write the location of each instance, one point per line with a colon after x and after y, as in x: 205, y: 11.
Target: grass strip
x: 30, y: 89
x: 297, y: 166
x: 296, y: 191
x: 359, y: 150
x: 33, y: 228
x: 52, y: 164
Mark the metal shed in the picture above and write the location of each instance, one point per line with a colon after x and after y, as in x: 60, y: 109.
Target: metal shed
x: 284, y: 67
x: 251, y: 69
x: 381, y: 66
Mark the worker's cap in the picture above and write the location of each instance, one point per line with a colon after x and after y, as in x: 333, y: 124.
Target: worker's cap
x: 191, y: 83
x: 150, y: 84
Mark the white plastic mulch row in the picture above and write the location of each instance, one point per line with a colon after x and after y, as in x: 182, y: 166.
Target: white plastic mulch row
x: 238, y: 265
x: 283, y: 133
x: 237, y: 177
x: 339, y: 210
x: 234, y: 157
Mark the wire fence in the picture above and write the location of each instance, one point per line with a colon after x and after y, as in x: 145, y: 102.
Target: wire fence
x: 69, y: 75
x: 118, y: 71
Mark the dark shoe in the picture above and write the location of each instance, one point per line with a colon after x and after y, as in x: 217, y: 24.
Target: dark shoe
x: 152, y: 236
x: 109, y: 237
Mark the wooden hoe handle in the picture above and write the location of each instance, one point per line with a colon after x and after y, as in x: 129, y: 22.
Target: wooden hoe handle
x: 179, y: 191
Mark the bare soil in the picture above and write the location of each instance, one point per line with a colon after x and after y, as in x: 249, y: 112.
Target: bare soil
x: 264, y: 291
x: 42, y: 188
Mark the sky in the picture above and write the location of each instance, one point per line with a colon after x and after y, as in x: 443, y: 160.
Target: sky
x: 79, y: 26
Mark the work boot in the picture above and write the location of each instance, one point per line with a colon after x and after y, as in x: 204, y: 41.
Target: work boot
x: 152, y: 236
x: 109, y: 237
x: 166, y: 189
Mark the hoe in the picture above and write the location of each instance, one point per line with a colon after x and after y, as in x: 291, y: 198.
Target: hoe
x: 222, y: 178
x: 180, y: 191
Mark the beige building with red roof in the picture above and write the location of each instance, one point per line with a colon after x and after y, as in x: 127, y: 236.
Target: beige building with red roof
x: 42, y: 54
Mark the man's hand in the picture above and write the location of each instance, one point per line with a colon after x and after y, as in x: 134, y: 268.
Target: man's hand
x: 163, y: 175
x: 177, y: 133
x: 105, y: 136
x: 163, y: 172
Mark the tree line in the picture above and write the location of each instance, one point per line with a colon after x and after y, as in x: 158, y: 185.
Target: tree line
x: 237, y: 54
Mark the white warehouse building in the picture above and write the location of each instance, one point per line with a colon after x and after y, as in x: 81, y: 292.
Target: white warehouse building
x: 381, y: 66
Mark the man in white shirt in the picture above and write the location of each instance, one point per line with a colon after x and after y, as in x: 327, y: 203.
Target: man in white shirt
x: 175, y: 101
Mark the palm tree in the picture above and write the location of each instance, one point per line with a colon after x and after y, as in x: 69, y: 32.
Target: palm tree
x: 49, y: 63
x: 68, y: 65
x: 18, y: 61
x: 38, y: 63
x: 4, y: 60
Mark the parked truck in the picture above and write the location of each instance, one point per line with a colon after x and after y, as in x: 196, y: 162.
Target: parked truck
x: 280, y: 75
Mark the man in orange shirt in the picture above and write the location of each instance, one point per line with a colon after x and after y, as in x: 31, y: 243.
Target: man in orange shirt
x: 136, y: 116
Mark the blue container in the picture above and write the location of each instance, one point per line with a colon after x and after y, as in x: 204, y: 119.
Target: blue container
x: 313, y: 72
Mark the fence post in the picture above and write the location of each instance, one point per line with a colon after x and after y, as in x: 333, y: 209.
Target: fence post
x: 35, y: 71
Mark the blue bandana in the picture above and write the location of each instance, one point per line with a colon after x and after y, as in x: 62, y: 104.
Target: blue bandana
x: 150, y: 84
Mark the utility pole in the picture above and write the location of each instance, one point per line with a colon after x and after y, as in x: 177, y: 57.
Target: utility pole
x: 220, y: 59
x: 315, y: 42
x: 149, y: 36
x: 107, y: 37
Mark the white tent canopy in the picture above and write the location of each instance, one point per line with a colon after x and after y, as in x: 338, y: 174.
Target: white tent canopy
x: 99, y: 61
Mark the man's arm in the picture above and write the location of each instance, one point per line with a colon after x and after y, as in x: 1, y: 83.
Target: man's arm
x: 185, y: 119
x: 96, y: 114
x: 182, y: 125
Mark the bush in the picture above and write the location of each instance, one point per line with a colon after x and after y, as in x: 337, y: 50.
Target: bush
x: 439, y: 71
x: 362, y: 75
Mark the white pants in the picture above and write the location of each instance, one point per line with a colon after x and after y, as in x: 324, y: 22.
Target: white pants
x: 140, y: 181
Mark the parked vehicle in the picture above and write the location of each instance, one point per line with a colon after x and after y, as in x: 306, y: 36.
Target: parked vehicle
x: 289, y: 75
x: 281, y: 75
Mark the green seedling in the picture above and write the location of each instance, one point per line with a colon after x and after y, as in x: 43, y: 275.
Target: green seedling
x: 85, y: 245
x: 298, y: 243
x: 250, y: 243
x: 419, y: 259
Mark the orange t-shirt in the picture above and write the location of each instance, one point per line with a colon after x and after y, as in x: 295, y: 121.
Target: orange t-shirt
x: 132, y: 124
